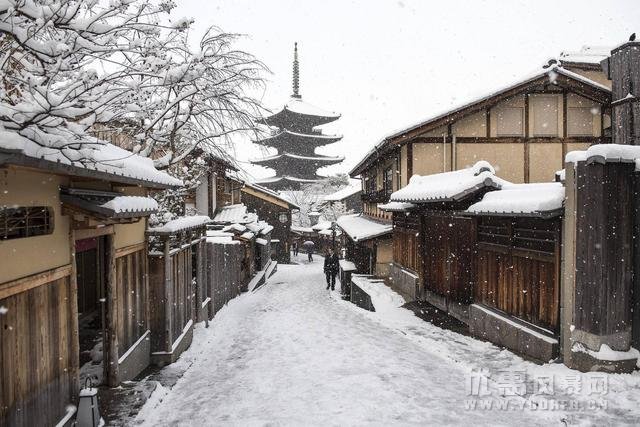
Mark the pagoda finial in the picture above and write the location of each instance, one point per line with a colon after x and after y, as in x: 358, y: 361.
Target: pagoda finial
x: 296, y: 72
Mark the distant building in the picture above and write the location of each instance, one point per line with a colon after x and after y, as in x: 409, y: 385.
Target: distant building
x: 348, y: 198
x: 296, y: 139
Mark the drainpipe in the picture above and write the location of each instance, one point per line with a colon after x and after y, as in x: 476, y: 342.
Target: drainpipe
x: 444, y: 153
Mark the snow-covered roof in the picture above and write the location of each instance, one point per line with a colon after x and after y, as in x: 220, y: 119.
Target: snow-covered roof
x: 247, y: 235
x: 586, y: 55
x: 180, y: 224
x: 551, y: 73
x: 100, y: 160
x: 266, y: 230
x: 601, y: 153
x: 540, y: 199
x: 262, y: 241
x: 299, y: 229
x: 396, y: 206
x: 131, y: 204
x: 360, y: 228
x: 286, y: 134
x: 324, y: 159
x: 322, y: 225
x: 234, y: 214
x: 297, y: 105
x: 275, y: 194
x: 107, y: 204
x: 274, y: 179
x: 449, y: 186
x: 343, y: 193
x: 329, y: 232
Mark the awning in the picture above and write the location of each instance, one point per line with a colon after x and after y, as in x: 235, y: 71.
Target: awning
x: 106, y: 204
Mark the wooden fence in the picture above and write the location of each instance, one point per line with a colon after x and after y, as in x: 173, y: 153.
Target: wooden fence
x: 38, y: 349
x: 132, y: 311
x: 225, y: 273
x: 178, y: 291
x: 518, y: 268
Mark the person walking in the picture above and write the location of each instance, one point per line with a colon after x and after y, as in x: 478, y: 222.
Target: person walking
x: 331, y: 264
x: 295, y: 249
x: 310, y: 252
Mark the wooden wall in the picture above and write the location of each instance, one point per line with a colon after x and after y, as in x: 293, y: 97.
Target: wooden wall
x: 132, y: 310
x: 519, y: 267
x: 38, y: 350
x: 406, y: 242
x: 449, y: 255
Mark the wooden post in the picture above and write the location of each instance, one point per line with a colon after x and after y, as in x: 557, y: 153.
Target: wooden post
x: 75, y: 329
x: 111, y: 359
x: 168, y: 294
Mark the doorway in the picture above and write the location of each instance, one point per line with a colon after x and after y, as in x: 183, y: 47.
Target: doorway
x: 90, y: 278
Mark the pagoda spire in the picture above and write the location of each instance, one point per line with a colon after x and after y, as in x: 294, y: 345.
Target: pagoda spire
x: 296, y: 73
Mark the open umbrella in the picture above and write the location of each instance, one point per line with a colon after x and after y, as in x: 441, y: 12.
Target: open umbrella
x: 308, y: 244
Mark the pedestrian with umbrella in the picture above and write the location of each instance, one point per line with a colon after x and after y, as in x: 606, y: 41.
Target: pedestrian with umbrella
x: 309, y: 245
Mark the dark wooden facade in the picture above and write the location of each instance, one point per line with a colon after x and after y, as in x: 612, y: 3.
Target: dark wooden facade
x: 518, y: 268
x: 224, y: 273
x: 604, y: 243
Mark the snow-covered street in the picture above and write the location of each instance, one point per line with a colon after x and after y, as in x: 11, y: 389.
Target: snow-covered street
x: 292, y: 353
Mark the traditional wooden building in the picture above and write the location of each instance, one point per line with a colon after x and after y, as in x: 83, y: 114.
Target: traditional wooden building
x: 73, y: 274
x: 296, y: 136
x: 218, y: 186
x: 277, y: 211
x: 347, y: 199
x: 524, y: 130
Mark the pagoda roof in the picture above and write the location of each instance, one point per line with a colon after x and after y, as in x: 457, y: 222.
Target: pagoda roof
x: 297, y: 110
x: 287, y: 182
x: 287, y: 157
x: 286, y: 137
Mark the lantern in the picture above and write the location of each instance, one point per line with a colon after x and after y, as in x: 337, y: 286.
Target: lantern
x: 88, y: 411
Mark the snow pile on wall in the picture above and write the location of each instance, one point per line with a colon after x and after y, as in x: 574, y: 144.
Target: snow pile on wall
x: 361, y: 228
x: 448, y: 186
x: 383, y: 297
x: 121, y: 204
x: 606, y: 353
x: 521, y: 199
x: 607, y: 153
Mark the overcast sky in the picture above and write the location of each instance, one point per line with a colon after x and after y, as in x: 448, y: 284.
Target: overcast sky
x: 387, y: 64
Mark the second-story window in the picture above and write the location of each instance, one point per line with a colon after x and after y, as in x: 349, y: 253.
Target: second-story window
x: 388, y: 181
x: 370, y: 184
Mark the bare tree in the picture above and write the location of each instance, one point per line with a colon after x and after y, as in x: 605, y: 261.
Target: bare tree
x: 65, y: 62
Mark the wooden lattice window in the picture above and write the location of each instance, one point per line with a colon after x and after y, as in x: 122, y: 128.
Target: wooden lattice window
x: 26, y: 221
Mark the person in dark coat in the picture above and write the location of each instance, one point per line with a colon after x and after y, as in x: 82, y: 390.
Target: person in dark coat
x: 331, y: 264
x: 310, y: 252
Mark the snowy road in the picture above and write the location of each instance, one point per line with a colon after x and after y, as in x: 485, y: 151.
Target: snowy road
x: 291, y: 353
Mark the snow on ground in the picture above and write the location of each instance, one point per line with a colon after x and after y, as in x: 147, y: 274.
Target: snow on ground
x: 292, y: 353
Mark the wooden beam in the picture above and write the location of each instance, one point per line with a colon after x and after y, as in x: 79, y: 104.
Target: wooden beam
x: 409, y: 161
x: 130, y: 249
x: 526, y: 139
x: 88, y: 233
x: 111, y: 359
x: 75, y: 327
x: 488, y: 122
x: 24, y: 284
x: 564, y: 125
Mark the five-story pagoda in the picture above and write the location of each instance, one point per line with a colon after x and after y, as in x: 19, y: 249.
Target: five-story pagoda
x: 296, y: 137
